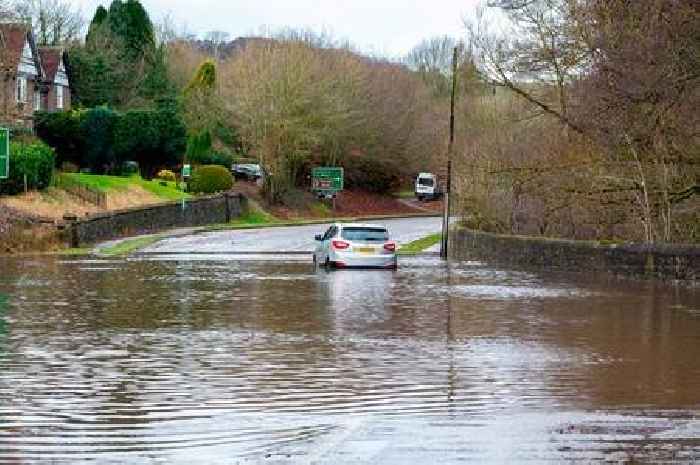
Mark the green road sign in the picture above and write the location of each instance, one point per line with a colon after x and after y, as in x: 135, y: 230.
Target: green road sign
x: 327, y: 180
x: 186, y: 171
x: 4, y: 153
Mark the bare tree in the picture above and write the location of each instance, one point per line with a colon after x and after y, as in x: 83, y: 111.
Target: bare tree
x: 217, y: 39
x: 55, y: 22
x: 622, y: 77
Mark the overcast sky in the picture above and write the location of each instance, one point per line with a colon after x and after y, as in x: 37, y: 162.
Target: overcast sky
x: 388, y: 27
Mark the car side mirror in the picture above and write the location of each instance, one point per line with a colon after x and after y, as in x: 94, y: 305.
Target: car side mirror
x: 319, y: 237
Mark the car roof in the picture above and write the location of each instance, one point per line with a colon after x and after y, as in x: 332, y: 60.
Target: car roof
x: 361, y: 225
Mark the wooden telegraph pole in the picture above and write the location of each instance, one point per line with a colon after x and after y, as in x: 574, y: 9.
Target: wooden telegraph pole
x: 448, y: 188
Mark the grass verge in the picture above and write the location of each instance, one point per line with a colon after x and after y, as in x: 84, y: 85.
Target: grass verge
x: 104, y: 183
x: 129, y: 246
x: 418, y: 246
x: 75, y: 252
x: 254, y: 216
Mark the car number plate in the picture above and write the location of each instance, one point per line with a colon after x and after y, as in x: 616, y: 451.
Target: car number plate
x: 365, y: 250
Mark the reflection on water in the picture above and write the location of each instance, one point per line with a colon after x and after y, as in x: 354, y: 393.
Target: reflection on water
x: 220, y: 359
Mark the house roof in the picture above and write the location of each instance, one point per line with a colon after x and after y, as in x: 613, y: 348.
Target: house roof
x: 50, y: 59
x: 13, y: 36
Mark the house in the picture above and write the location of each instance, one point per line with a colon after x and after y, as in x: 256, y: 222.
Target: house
x: 31, y: 78
x: 57, y: 96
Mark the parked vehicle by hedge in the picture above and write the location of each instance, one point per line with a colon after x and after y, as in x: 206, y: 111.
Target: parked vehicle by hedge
x: 35, y: 161
x: 428, y: 187
x: 247, y: 171
x: 210, y: 179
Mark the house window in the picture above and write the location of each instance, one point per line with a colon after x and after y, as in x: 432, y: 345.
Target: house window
x: 59, y: 97
x: 37, y: 100
x: 21, y: 89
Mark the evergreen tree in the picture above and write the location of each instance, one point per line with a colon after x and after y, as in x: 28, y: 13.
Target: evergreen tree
x: 156, y: 84
x: 129, y: 21
x: 120, y: 65
x: 97, y: 23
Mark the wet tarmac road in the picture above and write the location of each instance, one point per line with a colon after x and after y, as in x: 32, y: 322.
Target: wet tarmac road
x: 289, y: 239
x: 247, y: 360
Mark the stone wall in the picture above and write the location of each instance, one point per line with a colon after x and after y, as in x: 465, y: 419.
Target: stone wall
x: 196, y: 212
x: 670, y: 262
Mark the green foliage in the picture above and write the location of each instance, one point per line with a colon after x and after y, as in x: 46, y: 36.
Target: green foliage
x: 98, y: 132
x: 63, y: 132
x: 156, y: 84
x: 97, y: 22
x: 36, y: 161
x: 153, y: 138
x: 129, y: 21
x: 99, y: 76
x: 204, y: 79
x: 200, y: 151
x: 103, y: 140
x: 21, y: 134
x: 213, y: 157
x: 228, y: 135
x: 210, y: 179
x: 120, y: 65
x: 371, y: 174
x: 199, y: 146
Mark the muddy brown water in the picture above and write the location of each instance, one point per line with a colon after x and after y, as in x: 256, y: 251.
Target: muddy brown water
x: 263, y: 360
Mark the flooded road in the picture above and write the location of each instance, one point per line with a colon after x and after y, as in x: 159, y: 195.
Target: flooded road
x: 287, y: 239
x: 218, y: 360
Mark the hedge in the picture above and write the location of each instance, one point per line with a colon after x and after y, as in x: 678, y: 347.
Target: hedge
x: 35, y: 160
x: 102, y: 140
x: 63, y: 131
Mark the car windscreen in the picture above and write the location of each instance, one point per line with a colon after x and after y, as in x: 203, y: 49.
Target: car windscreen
x: 365, y: 234
x: 428, y: 182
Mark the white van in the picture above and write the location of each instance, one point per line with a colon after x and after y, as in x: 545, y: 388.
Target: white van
x: 428, y: 187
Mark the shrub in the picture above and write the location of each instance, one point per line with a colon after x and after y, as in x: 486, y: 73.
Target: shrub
x: 98, y: 130
x: 36, y: 161
x: 62, y: 131
x: 209, y: 179
x: 166, y: 175
x: 371, y: 174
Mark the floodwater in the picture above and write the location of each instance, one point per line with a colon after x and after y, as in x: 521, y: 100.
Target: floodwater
x: 243, y: 360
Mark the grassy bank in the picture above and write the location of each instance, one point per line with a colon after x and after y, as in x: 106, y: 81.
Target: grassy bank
x: 107, y: 184
x: 420, y: 245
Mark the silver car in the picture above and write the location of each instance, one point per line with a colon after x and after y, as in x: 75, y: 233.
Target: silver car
x: 355, y: 246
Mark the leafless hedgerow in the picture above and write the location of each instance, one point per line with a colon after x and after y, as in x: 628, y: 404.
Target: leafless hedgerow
x: 605, y: 142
